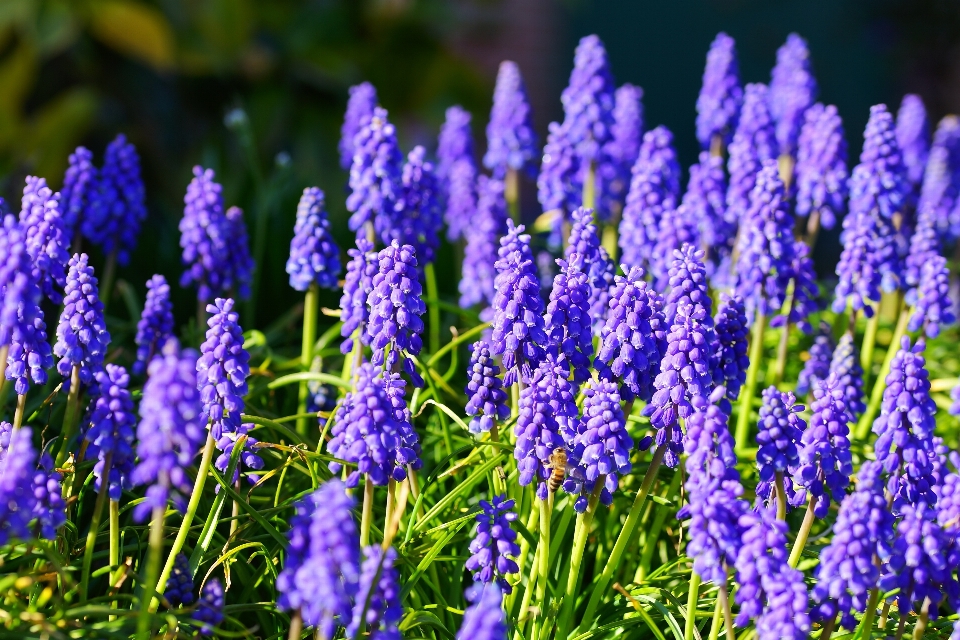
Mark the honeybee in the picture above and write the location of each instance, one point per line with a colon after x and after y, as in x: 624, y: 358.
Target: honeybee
x: 557, y: 465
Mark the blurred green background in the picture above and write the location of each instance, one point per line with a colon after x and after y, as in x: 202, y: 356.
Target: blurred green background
x: 167, y: 73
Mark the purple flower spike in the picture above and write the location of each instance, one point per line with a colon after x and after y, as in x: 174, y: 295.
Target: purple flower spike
x: 377, y: 603
x: 240, y: 264
x: 483, y: 240
x: 17, y: 501
x: 754, y: 142
x: 358, y: 284
x: 864, y: 529
x: 110, y: 433
x: 780, y: 432
x: 79, y: 185
x: 913, y: 136
x: 905, y: 427
x: 457, y: 171
x: 825, y: 461
x: 687, y: 280
x: 654, y: 189
x: 624, y: 147
x: 845, y: 363
x: 718, y: 105
x: 314, y: 254
x: 407, y: 449
x: 511, y: 140
x: 518, y: 332
x: 934, y: 308
x: 559, y: 184
x: 395, y: 308
x: 584, y: 241
x: 704, y: 199
x: 113, y: 220
x: 678, y: 228
x: 46, y: 237
x: 633, y: 339
x: 770, y: 589
x: 209, y: 611
x: 50, y: 509
x: 205, y: 237
x: 376, y: 184
x: 538, y: 427
x: 567, y: 319
x: 484, y: 618
x: 222, y: 369
x: 29, y: 355
x: 417, y: 220
x: 488, y: 400
x: 360, y: 106
x: 821, y: 169
x: 730, y: 352
x: 82, y: 336
x: 817, y: 366
x: 321, y: 570
x: 494, y: 545
x: 805, y: 300
x: 156, y: 322
x: 602, y: 445
x: 179, y: 589
x: 941, y: 179
x: 792, y: 89
x: 925, y: 245
x: 171, y: 430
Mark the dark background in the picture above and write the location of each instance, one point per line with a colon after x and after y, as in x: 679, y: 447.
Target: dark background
x: 166, y: 73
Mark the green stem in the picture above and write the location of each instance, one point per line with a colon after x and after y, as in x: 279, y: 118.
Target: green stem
x: 296, y: 626
x: 780, y: 366
x: 724, y: 597
x: 623, y: 539
x: 430, y: 276
x: 590, y: 187
x: 785, y: 166
x: 70, y: 416
x: 18, y: 414
x: 750, y: 388
x: 884, y: 612
x: 653, y: 533
x: 499, y: 484
x: 515, y: 400
x: 94, y: 528
x: 584, y: 522
x: 869, y: 344
x: 532, y: 520
x: 114, y: 511
x: 154, y: 552
x: 802, y: 535
x: 528, y: 593
x: 539, y: 622
x: 366, y: 515
x: 511, y: 193
x: 192, y: 506
x: 311, y: 308
x: 828, y: 626
x: 716, y: 145
x: 692, y: 595
x: 901, y: 626
x: 876, y: 396
x: 866, y: 624
x: 781, y: 496
x: 715, y: 624
x: 922, y: 620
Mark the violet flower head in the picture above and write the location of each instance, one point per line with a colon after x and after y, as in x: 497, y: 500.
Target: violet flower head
x: 730, y: 352
x: 925, y: 245
x: 905, y: 428
x: 817, y: 365
x: 559, y: 183
x: 113, y: 220
x: 805, y: 300
x: 223, y: 369
x: 511, y: 139
x: 29, y: 356
x: 47, y: 242
x: 780, y: 430
x: 376, y: 184
x: 588, y: 101
x: 358, y: 283
x: 484, y: 618
x: 654, y: 189
x: 204, y: 237
x: 209, y: 612
x: 321, y: 570
x: 17, y: 500
x: 622, y: 149
x: 82, y: 336
x: 567, y: 319
x: 456, y: 171
x: 718, y: 105
x: 406, y: 449
x: 770, y: 589
x: 483, y: 240
x: 15, y: 272
x: 537, y: 429
x: 156, y: 322
x: 518, y: 330
x: 766, y: 246
x: 110, y: 433
x: 687, y: 280
x: 584, y: 242
x: 360, y: 106
x: 377, y: 603
x: 395, y: 308
x: 845, y: 363
x: 941, y: 179
x: 314, y: 254
x: 240, y: 263
x: 487, y: 401
x: 704, y: 198
x: 825, y: 461
x: 172, y: 429
x: 754, y: 142
x: 248, y: 460
x: 678, y: 228
x: 179, y: 589
x: 933, y: 308
x: 913, y: 137
x: 417, y: 220
x: 821, y: 169
x: 792, y: 90
x: 79, y: 184
x: 602, y: 445
x: 50, y: 509
x: 494, y: 545
x: 864, y: 529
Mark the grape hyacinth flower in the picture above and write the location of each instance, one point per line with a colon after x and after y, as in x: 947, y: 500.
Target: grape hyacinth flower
x: 933, y: 308
x: 82, y: 336
x: 770, y: 590
x: 863, y: 531
x: 518, y: 332
x: 704, y: 199
x: 484, y: 618
x: 792, y: 90
x: 730, y: 352
x: 483, y: 239
x: 584, y: 241
x: 817, y: 365
x: 357, y: 286
x: 538, y: 427
x: 941, y: 178
x: 687, y: 280
x: 376, y: 184
x: 179, y: 589
x: 29, y: 355
x: 377, y: 602
x: 240, y: 264
x: 50, y: 509
x: 110, y: 433
x: 913, y: 137
x: 156, y: 322
x: 805, y: 299
x: 821, y: 169
x: 602, y: 445
x: 487, y: 401
x: 209, y: 611
x: 204, y: 237
x: 780, y: 431
x: 395, y: 308
x: 417, y: 219
x: 511, y: 139
x: 79, y: 183
x: 754, y: 142
x: 494, y: 544
x: 622, y: 149
x: 17, y: 500
x: 171, y: 429
x: 825, y: 461
x: 456, y: 171
x: 845, y: 363
x: 223, y: 369
x: 360, y: 106
x: 567, y: 319
x: 321, y: 570
x: 633, y: 338
x: 46, y: 240
x: 654, y: 189
x: 678, y: 228
x: 407, y: 449
x: 718, y: 105
x: 925, y: 245
x: 314, y: 254
x: 905, y: 428
x: 248, y: 460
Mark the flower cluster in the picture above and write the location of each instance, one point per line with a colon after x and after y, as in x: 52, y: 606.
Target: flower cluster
x: 602, y: 445
x: 913, y: 137
x: 489, y: 224
x: 538, y: 427
x: 484, y: 618
x: 792, y: 89
x: 417, y: 219
x: 779, y: 436
x: 567, y: 319
x: 223, y: 369
x: 821, y: 170
x: 487, y: 400
x: 817, y: 365
x: 156, y: 322
x: 357, y: 286
x: 457, y: 171
x: 754, y: 143
x: 494, y: 544
x: 584, y: 245
x: 360, y: 106
x: 825, y: 461
x: 45, y: 236
x: 377, y: 604
x: 376, y: 185
x: 511, y: 140
x: 314, y: 255
x: 718, y: 105
x: 933, y: 307
x: 82, y: 336
x: 110, y: 433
